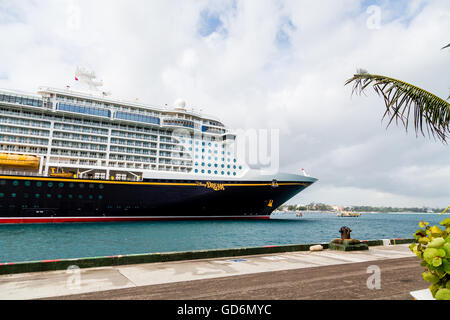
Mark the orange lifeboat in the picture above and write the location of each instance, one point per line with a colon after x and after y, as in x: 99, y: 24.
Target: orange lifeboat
x: 61, y: 174
x: 19, y: 161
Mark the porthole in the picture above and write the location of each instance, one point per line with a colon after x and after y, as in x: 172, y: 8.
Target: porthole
x: 101, y: 186
x: 27, y: 183
x: 50, y: 184
x: 2, y: 195
x: 38, y: 184
x: 61, y: 184
x: 15, y: 183
x: 13, y: 195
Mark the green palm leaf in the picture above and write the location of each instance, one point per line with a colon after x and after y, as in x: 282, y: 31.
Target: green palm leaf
x: 404, y: 101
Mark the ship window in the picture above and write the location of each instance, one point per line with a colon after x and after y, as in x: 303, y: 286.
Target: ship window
x: 37, y: 195
x: 15, y: 183
x: 49, y: 195
x: 59, y: 196
x: 2, y: 195
x: 91, y: 196
x: 91, y: 186
x: 81, y: 185
x: 80, y: 196
x: 101, y: 186
x: 70, y: 196
x: 38, y: 184
x: 27, y: 183
x: 71, y: 185
x: 60, y: 184
x: 3, y: 182
x: 100, y: 197
x: 13, y: 195
x: 26, y: 195
x: 50, y: 184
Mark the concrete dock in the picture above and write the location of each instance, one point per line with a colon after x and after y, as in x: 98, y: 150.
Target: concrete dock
x: 291, y: 275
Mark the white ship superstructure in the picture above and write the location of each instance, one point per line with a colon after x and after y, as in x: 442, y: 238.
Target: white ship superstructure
x: 93, y: 136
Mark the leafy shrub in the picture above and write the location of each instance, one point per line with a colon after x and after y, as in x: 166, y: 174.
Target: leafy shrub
x: 433, y: 248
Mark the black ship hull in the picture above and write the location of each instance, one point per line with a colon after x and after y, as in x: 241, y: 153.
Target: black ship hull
x: 56, y: 200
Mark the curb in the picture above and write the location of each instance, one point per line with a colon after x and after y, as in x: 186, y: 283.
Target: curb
x: 94, y: 262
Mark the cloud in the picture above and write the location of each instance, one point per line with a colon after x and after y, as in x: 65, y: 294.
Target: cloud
x: 259, y: 64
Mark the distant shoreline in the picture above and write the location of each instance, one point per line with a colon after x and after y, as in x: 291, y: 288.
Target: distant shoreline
x: 359, y: 212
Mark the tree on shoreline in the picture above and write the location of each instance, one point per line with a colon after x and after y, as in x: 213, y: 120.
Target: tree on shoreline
x: 403, y: 100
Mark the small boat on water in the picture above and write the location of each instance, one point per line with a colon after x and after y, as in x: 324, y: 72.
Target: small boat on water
x: 348, y: 214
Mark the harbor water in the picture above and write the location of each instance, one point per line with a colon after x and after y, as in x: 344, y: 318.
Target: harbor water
x: 62, y: 241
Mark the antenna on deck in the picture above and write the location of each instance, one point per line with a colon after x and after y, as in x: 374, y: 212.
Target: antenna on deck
x: 88, y: 79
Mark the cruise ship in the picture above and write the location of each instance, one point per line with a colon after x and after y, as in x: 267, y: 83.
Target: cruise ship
x: 80, y: 155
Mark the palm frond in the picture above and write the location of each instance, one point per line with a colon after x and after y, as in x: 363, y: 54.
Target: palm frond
x: 404, y: 100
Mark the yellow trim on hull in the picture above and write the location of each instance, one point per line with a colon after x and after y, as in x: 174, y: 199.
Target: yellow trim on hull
x: 149, y: 183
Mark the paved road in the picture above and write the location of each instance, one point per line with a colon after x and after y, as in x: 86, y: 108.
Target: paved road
x: 335, y: 282
x: 326, y: 274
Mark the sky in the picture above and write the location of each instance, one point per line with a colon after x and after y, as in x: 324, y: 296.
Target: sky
x: 260, y: 64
